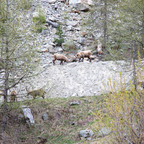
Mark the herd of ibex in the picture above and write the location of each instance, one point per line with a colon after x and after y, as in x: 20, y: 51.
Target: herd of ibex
x: 40, y: 92
x: 81, y: 55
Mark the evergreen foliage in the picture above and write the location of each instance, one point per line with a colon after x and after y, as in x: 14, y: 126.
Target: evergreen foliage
x: 17, y: 51
x: 119, y: 23
x: 39, y: 21
x: 60, y: 38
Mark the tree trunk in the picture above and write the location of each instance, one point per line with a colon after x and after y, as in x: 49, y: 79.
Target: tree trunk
x: 6, y: 75
x: 143, y: 30
x: 105, y: 22
x: 134, y: 65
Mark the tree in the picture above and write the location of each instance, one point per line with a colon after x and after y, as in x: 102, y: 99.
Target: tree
x: 118, y: 23
x: 123, y: 107
x: 100, y: 19
x: 16, y: 48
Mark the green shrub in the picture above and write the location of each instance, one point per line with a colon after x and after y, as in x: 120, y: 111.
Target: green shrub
x: 25, y: 4
x: 122, y: 112
x: 39, y: 28
x: 59, y: 41
x: 69, y: 45
x: 39, y: 21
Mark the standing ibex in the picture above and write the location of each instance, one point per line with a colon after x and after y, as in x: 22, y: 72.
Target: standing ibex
x: 13, y: 96
x: 59, y: 57
x: 83, y: 54
x: 99, y: 48
x: 34, y: 93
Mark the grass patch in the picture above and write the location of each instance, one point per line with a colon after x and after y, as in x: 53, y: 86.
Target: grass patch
x: 64, y: 121
x: 25, y: 4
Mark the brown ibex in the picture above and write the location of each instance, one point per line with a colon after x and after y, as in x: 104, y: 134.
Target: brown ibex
x: 59, y: 57
x: 83, y: 54
x: 34, y: 93
x: 13, y: 96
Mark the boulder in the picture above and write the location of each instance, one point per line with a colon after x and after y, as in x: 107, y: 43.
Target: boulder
x: 82, y: 5
x: 45, y: 116
x: 35, y: 14
x: 86, y: 133
x: 74, y: 103
x: 103, y: 132
x: 51, y: 1
x: 52, y: 18
x: 20, y: 117
x: 28, y: 115
x: 81, y: 40
x: 87, y: 2
x: 72, y: 23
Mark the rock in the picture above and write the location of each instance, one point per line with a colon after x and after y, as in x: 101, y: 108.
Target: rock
x: 74, y: 103
x: 44, y: 50
x: 51, y: 1
x: 1, y: 93
x: 20, y: 117
x: 103, y: 132
x: 72, y: 23
x: 87, y: 2
x: 59, y: 49
x: 83, y: 34
x: 28, y: 115
x: 53, y: 19
x: 70, y: 28
x: 55, y: 25
x: 51, y: 49
x: 73, y: 123
x: 86, y: 133
x: 81, y: 40
x: 44, y: 32
x: 45, y: 116
x: 82, y: 5
x: 35, y: 14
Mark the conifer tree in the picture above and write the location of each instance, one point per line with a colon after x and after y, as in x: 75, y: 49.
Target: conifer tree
x: 17, y: 51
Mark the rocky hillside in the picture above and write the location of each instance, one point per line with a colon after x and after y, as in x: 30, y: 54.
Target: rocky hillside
x: 70, y: 79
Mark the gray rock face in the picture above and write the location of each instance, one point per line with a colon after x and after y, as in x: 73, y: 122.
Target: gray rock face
x: 76, y: 78
x: 86, y: 133
x: 70, y: 79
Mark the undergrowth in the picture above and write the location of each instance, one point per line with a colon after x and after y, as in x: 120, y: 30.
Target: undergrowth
x: 63, y: 125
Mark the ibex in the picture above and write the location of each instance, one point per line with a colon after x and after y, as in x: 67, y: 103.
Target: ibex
x: 83, y: 54
x: 59, y: 57
x: 99, y: 48
x: 34, y: 93
x: 13, y: 96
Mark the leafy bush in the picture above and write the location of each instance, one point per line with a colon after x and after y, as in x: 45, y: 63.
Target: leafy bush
x: 39, y: 28
x: 60, y: 40
x: 25, y: 4
x: 69, y: 45
x: 39, y: 21
x: 122, y: 111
